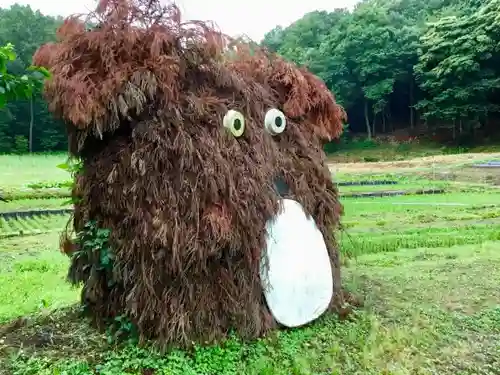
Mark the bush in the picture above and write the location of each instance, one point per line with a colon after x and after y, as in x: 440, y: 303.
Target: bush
x: 20, y: 144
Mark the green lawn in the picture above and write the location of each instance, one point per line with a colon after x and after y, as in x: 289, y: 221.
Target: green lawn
x: 19, y: 170
x: 429, y: 310
x: 427, y: 268
x: 32, y: 275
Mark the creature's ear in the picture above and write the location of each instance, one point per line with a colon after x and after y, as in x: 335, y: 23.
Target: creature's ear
x: 305, y: 95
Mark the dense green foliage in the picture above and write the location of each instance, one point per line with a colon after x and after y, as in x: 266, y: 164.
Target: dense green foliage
x: 26, y: 30
x: 405, y: 67
x: 19, y: 87
x: 13, y: 87
x: 430, y: 65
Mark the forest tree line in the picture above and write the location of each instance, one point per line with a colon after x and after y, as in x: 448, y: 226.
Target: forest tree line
x: 427, y: 67
x: 430, y: 67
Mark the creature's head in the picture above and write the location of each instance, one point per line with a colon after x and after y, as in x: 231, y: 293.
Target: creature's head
x: 312, y: 118
x: 213, y: 118
x: 188, y: 141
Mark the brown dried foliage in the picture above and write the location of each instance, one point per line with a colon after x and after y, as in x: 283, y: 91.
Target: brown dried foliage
x: 144, y: 96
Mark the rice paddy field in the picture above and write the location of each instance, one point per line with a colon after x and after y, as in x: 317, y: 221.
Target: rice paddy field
x: 427, y: 267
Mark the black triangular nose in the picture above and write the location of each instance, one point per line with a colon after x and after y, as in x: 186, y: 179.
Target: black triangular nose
x: 281, y: 187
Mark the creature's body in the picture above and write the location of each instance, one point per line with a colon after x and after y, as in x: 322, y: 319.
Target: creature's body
x: 187, y: 157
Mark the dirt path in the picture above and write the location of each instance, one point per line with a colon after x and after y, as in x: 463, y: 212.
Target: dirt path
x: 423, y: 162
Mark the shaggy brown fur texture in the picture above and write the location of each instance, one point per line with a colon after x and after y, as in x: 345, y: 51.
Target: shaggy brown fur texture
x: 185, y: 201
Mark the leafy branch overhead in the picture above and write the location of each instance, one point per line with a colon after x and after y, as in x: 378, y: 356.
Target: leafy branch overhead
x: 15, y: 87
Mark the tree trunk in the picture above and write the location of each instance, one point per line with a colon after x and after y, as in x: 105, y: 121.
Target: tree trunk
x: 367, y: 121
x: 384, y: 129
x: 374, y: 123
x: 412, y: 122
x: 31, y: 125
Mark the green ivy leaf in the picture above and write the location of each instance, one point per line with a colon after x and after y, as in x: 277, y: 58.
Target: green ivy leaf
x: 40, y: 70
x: 63, y: 166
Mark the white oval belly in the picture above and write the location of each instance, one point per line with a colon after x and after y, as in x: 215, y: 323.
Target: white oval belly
x: 298, y: 281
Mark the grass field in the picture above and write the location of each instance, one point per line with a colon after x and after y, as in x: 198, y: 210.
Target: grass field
x: 426, y: 266
x: 19, y: 170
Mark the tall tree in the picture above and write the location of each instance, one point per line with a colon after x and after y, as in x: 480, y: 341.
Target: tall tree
x: 303, y: 36
x: 459, y: 68
x: 27, y: 30
x: 363, y: 60
x: 372, y: 57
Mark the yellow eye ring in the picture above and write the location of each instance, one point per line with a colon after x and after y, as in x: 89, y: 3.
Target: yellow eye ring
x: 275, y: 121
x: 234, y: 121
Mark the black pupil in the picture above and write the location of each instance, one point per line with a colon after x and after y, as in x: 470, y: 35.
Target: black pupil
x: 278, y: 121
x: 237, y: 124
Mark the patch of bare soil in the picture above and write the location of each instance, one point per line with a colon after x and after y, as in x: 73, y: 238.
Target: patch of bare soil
x: 490, y: 176
x: 61, y: 331
x: 423, y: 162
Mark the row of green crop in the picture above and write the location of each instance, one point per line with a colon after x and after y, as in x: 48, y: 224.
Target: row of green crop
x: 22, y: 226
x: 352, y: 243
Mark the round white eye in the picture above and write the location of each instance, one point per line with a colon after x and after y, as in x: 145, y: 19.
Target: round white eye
x: 275, y: 121
x: 234, y: 122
